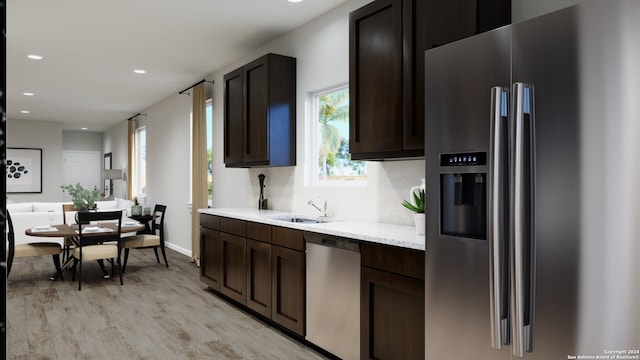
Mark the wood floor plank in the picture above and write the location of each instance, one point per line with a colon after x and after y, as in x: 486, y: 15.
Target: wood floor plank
x: 159, y: 313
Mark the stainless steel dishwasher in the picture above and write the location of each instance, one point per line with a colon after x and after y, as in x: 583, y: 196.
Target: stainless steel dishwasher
x: 333, y: 294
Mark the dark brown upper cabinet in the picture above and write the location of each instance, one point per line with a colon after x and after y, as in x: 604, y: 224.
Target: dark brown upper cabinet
x: 260, y: 113
x: 387, y: 41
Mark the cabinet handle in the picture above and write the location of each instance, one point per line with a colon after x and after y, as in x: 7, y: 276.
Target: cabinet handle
x: 329, y: 242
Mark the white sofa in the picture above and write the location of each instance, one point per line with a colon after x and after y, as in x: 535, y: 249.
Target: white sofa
x: 26, y: 215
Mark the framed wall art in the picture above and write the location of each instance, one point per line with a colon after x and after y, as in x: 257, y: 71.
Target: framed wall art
x: 24, y: 170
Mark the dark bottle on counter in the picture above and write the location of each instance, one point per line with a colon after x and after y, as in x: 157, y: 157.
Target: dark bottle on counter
x: 262, y: 202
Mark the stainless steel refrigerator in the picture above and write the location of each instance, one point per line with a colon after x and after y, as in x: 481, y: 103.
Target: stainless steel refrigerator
x: 533, y: 188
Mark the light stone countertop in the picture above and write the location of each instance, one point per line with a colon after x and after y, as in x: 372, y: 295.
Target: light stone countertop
x: 388, y: 234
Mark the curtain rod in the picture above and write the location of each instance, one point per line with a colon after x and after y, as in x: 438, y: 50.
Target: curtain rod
x: 135, y: 116
x: 194, y: 85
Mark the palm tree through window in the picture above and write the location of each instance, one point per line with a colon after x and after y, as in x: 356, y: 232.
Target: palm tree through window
x: 332, y: 118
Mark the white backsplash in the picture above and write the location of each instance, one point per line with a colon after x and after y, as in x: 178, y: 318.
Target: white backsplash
x: 380, y: 200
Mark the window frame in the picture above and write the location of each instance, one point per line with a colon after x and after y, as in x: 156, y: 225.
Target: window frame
x: 312, y: 150
x: 140, y: 161
x: 209, y: 127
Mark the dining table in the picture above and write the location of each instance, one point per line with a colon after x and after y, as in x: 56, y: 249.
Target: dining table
x: 71, y: 231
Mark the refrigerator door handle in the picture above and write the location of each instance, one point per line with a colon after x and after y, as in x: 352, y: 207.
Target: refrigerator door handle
x: 498, y: 212
x: 522, y: 255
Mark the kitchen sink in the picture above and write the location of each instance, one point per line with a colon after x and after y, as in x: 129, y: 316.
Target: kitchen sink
x: 302, y: 219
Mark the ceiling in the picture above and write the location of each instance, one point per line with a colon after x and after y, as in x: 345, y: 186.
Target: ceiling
x: 91, y: 48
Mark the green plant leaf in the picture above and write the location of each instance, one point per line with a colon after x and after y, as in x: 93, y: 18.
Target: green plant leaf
x: 418, y: 202
x: 82, y: 198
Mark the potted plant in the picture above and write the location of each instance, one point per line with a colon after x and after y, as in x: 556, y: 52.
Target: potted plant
x: 417, y: 206
x: 82, y: 198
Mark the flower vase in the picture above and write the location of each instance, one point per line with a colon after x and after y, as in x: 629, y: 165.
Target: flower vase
x: 136, y: 210
x: 77, y: 217
x: 419, y: 220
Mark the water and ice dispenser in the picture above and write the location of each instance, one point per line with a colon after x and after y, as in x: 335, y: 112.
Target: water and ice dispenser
x: 463, y: 195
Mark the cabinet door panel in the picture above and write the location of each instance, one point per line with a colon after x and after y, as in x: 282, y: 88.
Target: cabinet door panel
x: 233, y: 278
x: 375, y: 77
x: 210, y: 258
x: 287, y: 279
x: 391, y: 305
x: 493, y: 14
x: 259, y: 277
x: 256, y: 121
x: 233, y: 117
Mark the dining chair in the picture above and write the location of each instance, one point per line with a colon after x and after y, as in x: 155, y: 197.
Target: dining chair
x: 68, y: 241
x: 31, y: 249
x: 91, y: 246
x: 153, y: 240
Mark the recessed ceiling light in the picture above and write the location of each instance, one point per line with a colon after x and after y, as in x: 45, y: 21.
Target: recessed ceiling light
x: 25, y: 111
x: 28, y: 94
x: 140, y: 71
x: 83, y: 128
x: 294, y: 1
x: 34, y: 57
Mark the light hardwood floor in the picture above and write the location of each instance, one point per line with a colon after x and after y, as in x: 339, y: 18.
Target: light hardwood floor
x: 159, y: 313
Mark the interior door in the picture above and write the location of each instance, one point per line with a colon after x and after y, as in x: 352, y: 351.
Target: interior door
x: 81, y: 167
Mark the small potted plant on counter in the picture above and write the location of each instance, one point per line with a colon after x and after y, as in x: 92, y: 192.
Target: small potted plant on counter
x: 417, y: 206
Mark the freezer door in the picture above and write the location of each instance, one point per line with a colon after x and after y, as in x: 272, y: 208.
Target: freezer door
x: 459, y: 78
x: 546, y: 206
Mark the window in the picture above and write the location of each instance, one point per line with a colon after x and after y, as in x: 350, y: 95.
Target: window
x: 209, y: 132
x: 140, y: 181
x: 331, y: 160
x: 209, y: 116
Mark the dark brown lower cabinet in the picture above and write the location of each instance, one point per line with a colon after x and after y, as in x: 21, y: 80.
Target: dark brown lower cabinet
x: 259, y: 277
x: 239, y: 260
x: 210, y: 257
x: 287, y: 279
x: 392, y: 303
x: 234, y: 281
x: 392, y: 316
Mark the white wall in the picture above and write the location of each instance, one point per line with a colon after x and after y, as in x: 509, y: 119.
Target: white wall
x: 168, y: 165
x: 322, y: 51
x: 43, y: 135
x: 115, y: 141
x: 82, y: 140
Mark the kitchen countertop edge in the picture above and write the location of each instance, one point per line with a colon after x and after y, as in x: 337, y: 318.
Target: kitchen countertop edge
x: 381, y: 233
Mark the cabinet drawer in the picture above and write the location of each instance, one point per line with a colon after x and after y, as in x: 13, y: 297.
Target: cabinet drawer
x: 407, y: 262
x: 258, y: 231
x: 210, y: 221
x: 288, y: 238
x: 233, y: 226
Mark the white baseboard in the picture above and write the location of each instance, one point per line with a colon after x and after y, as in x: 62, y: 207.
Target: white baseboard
x: 179, y: 249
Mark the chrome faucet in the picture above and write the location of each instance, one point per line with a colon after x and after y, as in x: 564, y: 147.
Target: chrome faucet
x: 324, y: 212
